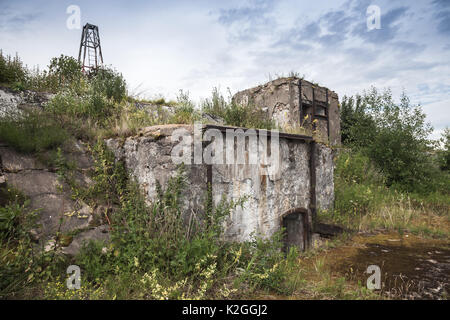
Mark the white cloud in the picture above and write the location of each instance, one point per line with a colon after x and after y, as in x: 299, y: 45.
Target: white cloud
x: 162, y: 46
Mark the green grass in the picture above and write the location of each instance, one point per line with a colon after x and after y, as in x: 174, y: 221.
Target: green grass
x: 236, y: 115
x: 364, y: 202
x: 32, y: 132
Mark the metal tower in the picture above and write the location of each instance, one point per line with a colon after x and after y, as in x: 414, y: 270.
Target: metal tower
x: 90, y: 46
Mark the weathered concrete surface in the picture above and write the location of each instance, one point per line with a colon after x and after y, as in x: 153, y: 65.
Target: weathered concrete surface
x: 148, y: 159
x: 280, y: 100
x: 12, y: 102
x: 269, y: 193
x: 324, y: 177
x: 49, y: 197
x: 277, y: 98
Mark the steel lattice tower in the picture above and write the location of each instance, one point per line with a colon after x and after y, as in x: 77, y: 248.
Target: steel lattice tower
x: 90, y: 48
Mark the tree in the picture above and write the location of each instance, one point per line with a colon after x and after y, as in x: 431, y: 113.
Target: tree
x: 65, y: 71
x: 444, y: 154
x: 393, y: 135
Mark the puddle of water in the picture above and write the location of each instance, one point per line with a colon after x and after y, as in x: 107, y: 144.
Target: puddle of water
x: 410, y: 268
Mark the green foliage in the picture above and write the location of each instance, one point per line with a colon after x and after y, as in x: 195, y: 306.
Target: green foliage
x: 109, y: 83
x: 12, y: 71
x: 234, y: 114
x: 444, y: 154
x: 64, y: 72
x: 20, y: 264
x: 393, y: 135
x: 185, y: 112
x: 70, y: 107
x: 9, y: 219
x: 109, y: 177
x: 31, y: 131
x: 13, y: 220
x: 94, y: 261
x: 359, y: 186
x: 263, y: 262
x: 364, y: 202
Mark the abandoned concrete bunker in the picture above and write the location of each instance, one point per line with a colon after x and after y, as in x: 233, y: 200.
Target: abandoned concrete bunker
x: 285, y: 193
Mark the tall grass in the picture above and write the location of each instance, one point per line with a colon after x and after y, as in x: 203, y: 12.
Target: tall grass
x: 234, y: 114
x: 31, y: 131
x: 364, y: 202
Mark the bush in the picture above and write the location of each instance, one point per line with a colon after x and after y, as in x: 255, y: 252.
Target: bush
x: 109, y: 83
x: 110, y: 177
x: 358, y: 186
x: 12, y: 70
x: 13, y: 214
x: 364, y: 202
x: 393, y: 135
x: 234, y: 114
x: 165, y: 257
x: 444, y: 153
x: 64, y: 72
x: 20, y: 264
x: 185, y: 112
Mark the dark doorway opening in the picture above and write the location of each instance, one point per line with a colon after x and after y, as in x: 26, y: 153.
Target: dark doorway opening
x: 295, y: 229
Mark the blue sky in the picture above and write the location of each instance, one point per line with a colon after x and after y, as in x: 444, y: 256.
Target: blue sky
x: 164, y: 46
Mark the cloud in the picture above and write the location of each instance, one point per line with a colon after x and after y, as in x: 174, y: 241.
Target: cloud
x: 444, y: 21
x: 246, y: 22
x: 198, y: 45
x: 13, y: 20
x: 254, y: 12
x: 389, y: 27
x: 437, y: 113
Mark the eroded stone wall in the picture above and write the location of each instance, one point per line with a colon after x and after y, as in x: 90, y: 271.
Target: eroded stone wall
x: 269, y: 193
x: 147, y: 158
x: 280, y: 99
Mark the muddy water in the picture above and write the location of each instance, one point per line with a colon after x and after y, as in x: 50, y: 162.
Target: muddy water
x: 411, y: 268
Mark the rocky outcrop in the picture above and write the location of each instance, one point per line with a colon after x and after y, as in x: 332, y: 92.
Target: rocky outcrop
x: 148, y: 159
x: 12, y: 102
x: 50, y: 198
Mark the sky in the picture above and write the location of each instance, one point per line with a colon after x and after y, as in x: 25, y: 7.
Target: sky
x: 163, y: 46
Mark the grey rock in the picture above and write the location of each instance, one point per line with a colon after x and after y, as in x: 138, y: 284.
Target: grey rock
x: 14, y: 161
x: 100, y: 233
x: 212, y: 119
x: 34, y: 182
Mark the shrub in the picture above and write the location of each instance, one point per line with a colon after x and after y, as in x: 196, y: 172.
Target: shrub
x: 13, y: 214
x: 109, y: 176
x: 64, y: 72
x: 109, y: 83
x: 359, y: 186
x: 12, y: 70
x: 393, y: 135
x: 20, y: 264
x: 185, y: 112
x: 234, y: 114
x: 444, y: 153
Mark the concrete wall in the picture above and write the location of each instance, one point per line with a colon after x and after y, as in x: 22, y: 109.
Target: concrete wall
x: 270, y: 193
x: 147, y: 158
x: 280, y: 100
